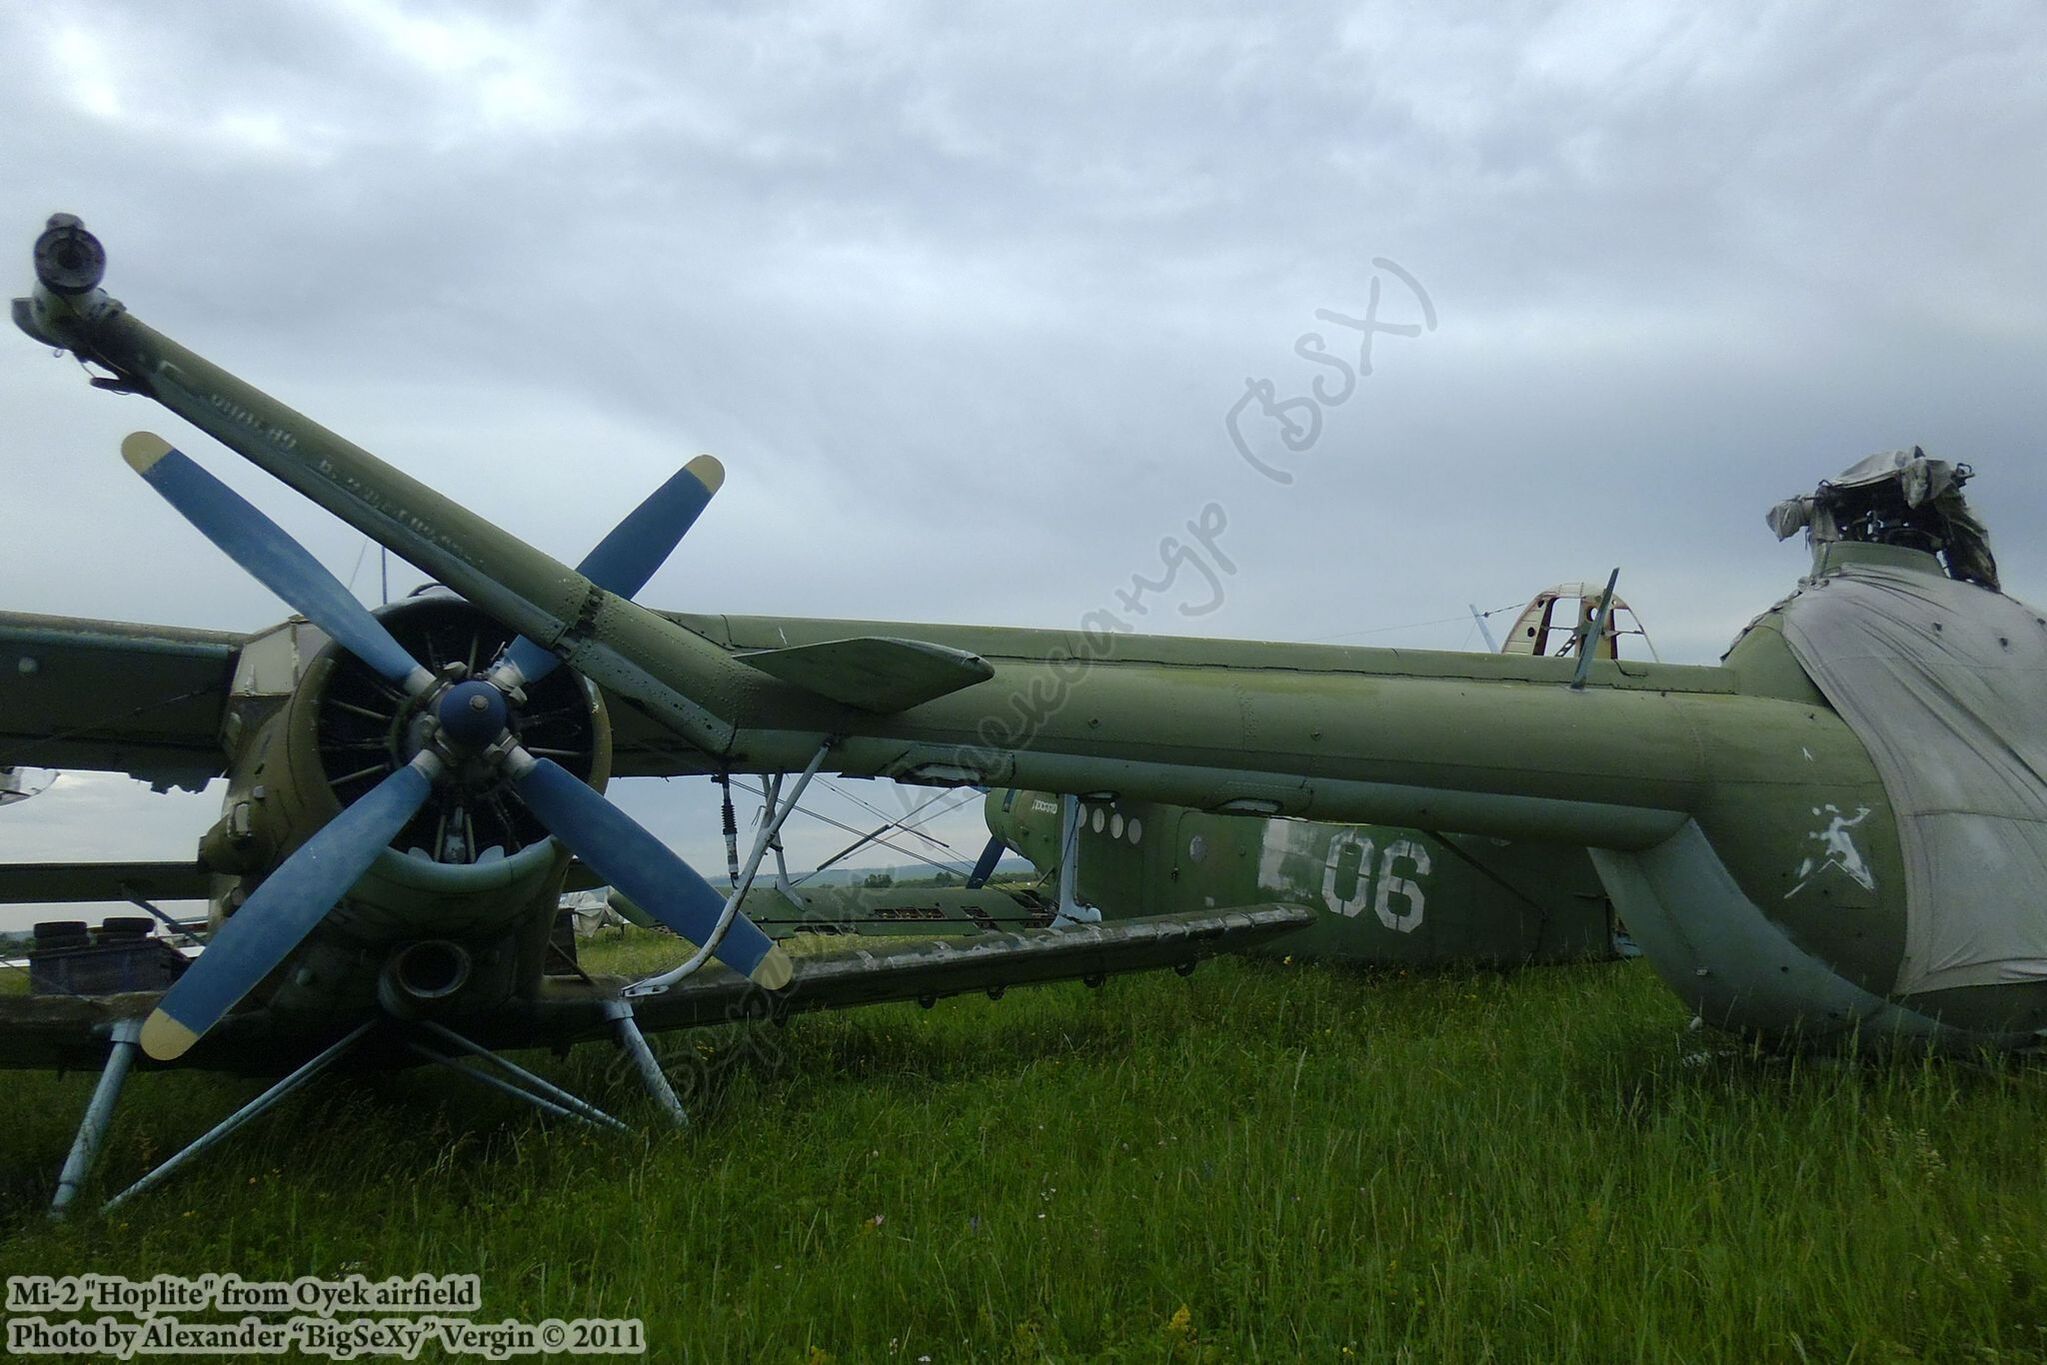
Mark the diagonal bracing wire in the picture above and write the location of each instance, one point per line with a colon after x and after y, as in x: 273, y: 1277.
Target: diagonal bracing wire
x: 878, y: 837
x: 893, y: 820
x: 874, y: 835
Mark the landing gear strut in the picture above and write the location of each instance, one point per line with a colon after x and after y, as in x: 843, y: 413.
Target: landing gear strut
x: 432, y: 1042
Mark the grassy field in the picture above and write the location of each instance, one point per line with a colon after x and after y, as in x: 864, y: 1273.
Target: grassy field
x: 1262, y: 1162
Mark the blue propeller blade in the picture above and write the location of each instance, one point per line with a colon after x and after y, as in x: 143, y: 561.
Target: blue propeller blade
x: 638, y: 546
x: 283, y: 911
x: 277, y: 561
x: 985, y: 868
x: 644, y: 870
x: 624, y: 560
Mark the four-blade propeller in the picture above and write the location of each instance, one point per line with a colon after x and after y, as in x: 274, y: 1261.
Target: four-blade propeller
x: 472, y: 729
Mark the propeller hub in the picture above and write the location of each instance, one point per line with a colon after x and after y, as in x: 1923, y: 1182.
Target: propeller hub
x: 472, y: 714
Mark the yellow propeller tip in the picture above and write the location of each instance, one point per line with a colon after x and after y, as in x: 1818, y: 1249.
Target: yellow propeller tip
x: 164, y: 1038
x: 142, y: 449
x: 708, y: 472
x: 775, y: 971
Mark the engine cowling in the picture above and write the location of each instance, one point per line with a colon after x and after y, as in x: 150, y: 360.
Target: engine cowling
x: 471, y: 862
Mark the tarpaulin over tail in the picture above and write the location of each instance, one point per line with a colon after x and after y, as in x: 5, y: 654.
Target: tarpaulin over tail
x: 1946, y: 683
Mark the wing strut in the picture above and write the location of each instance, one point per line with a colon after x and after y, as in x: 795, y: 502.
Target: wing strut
x: 1071, y: 909
x: 771, y: 829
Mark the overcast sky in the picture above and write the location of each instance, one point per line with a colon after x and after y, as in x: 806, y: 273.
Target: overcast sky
x: 964, y: 298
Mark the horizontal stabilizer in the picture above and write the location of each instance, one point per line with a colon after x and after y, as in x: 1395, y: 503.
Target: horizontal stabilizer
x: 872, y: 672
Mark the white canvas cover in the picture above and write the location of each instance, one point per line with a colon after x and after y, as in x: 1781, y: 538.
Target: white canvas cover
x: 1946, y: 682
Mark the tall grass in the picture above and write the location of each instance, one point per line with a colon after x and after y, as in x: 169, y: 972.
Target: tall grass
x: 1263, y: 1162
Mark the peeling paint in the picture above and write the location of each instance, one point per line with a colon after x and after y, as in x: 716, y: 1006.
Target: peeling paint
x: 1837, y: 849
x: 1272, y: 855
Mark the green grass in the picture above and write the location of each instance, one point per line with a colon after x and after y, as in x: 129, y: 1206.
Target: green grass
x: 1311, y: 1163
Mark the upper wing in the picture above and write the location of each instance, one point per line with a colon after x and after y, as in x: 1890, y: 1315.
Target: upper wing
x: 72, y: 1031
x: 143, y: 700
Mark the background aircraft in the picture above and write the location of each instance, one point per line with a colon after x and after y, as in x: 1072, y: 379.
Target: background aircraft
x: 1834, y: 833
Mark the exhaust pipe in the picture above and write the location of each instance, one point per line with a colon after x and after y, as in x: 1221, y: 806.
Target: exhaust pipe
x: 420, y: 976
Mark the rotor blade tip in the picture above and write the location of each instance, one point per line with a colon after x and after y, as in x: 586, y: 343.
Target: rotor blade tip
x: 775, y: 971
x: 142, y: 449
x: 164, y: 1038
x: 708, y: 471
